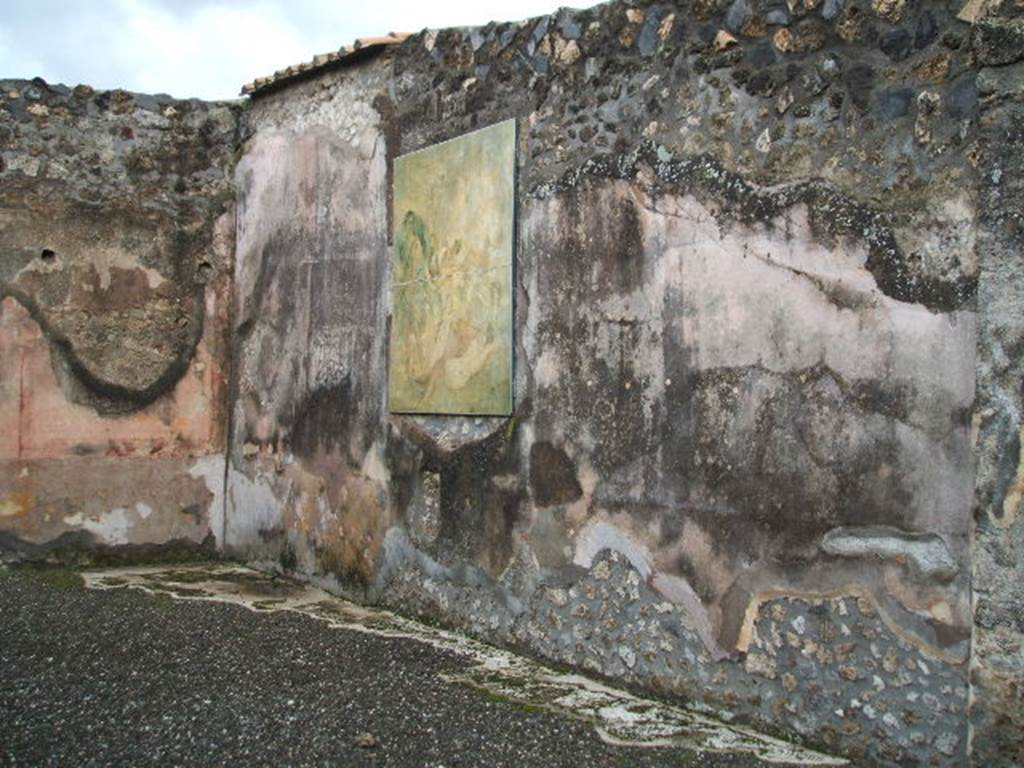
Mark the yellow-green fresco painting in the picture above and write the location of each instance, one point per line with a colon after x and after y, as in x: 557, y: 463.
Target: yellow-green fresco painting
x: 451, y: 329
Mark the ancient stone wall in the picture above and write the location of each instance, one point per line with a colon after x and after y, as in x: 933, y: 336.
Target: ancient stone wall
x: 765, y: 453
x: 116, y: 238
x: 740, y: 468
x: 997, y: 673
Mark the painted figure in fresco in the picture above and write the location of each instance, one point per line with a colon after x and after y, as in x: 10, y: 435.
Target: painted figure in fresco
x: 442, y: 340
x: 451, y: 331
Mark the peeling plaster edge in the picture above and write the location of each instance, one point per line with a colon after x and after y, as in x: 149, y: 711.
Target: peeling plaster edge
x: 599, y: 535
x: 927, y: 552
x: 1014, y: 496
x: 212, y: 470
x: 398, y: 550
x: 747, y: 632
x: 745, y: 200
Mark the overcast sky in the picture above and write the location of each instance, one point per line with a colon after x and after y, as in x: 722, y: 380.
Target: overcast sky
x: 209, y: 48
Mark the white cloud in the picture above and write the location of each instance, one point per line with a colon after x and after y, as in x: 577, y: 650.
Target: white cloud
x: 208, y: 48
x: 209, y: 53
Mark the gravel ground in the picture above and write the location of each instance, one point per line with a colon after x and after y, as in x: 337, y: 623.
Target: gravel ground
x: 128, y: 679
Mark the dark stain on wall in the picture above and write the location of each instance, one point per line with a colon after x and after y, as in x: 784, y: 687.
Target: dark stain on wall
x: 798, y: 469
x: 107, y: 395
x: 477, y: 513
x: 323, y: 421
x: 552, y: 476
x: 834, y: 215
x: 145, y: 203
x: 626, y: 237
x: 393, y: 143
x: 82, y: 549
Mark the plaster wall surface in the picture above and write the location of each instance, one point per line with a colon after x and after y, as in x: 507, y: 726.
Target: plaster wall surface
x: 116, y: 237
x: 741, y: 466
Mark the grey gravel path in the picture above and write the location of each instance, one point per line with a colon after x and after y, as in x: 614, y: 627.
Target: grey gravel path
x: 121, y: 678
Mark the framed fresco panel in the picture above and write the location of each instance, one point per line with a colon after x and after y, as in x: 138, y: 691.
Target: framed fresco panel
x: 451, y: 276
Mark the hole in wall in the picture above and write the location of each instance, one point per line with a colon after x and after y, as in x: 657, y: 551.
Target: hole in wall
x: 204, y: 272
x: 48, y: 255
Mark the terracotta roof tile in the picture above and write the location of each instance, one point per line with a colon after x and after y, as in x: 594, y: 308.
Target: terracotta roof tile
x: 362, y: 45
